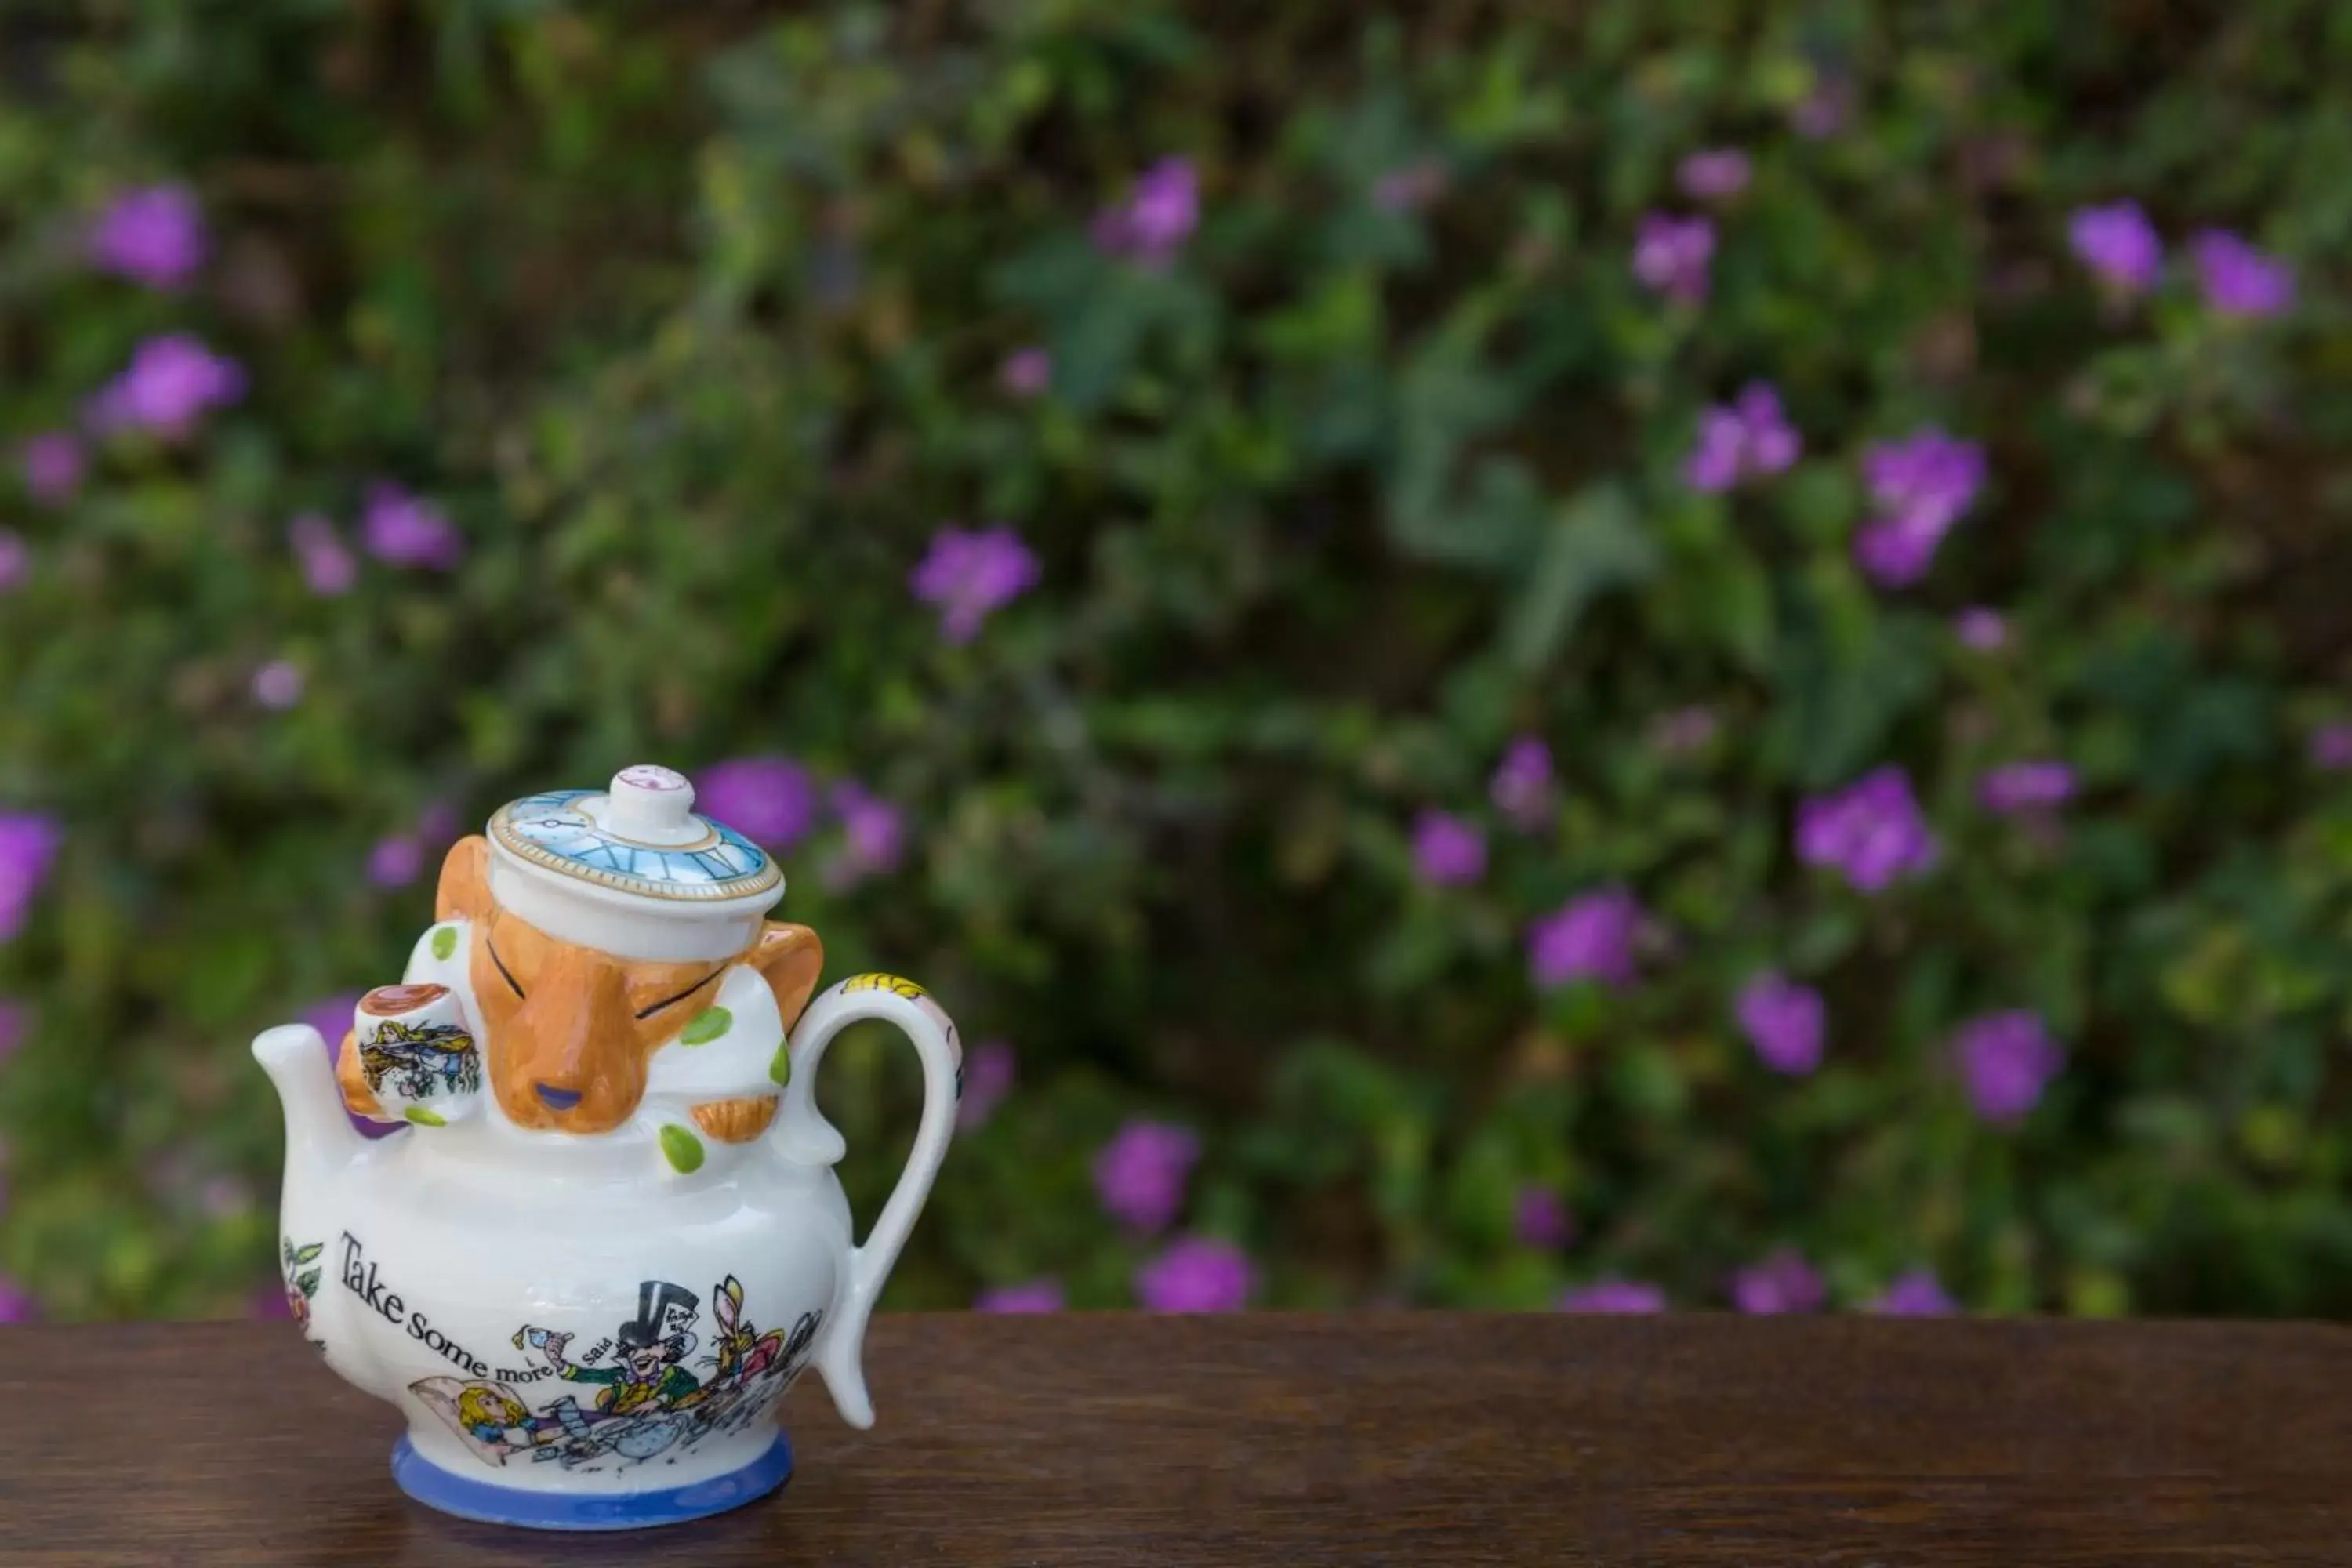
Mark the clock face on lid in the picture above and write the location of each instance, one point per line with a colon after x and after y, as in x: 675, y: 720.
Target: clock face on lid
x: 641, y: 838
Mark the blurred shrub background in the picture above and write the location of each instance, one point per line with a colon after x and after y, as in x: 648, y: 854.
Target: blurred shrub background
x: 1467, y: 707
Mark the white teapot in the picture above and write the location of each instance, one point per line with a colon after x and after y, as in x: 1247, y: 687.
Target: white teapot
x: 610, y: 1237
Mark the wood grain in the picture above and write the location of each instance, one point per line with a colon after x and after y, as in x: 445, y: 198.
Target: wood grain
x: 1296, y: 1441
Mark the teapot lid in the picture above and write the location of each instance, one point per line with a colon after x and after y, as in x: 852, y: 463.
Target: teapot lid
x: 583, y: 856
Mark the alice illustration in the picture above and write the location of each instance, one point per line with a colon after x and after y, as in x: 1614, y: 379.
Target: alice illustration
x: 415, y: 1057
x: 646, y: 1400
x: 490, y: 1417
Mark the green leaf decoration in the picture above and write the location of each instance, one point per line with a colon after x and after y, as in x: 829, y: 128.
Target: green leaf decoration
x: 308, y: 1283
x: 308, y: 1252
x: 780, y: 1068
x: 445, y: 941
x: 424, y: 1118
x: 682, y: 1149
x: 706, y: 1026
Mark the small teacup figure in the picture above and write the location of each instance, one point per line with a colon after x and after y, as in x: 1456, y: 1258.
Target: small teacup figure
x: 415, y: 1052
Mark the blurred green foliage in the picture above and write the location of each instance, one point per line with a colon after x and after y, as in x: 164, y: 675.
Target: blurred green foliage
x: 692, y: 318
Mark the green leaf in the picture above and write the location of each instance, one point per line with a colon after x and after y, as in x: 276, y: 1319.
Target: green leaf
x: 1492, y: 524
x: 308, y: 1283
x: 706, y: 1026
x: 445, y: 941
x: 307, y: 1254
x: 1596, y: 544
x: 424, y: 1117
x: 1844, y: 677
x: 780, y: 1069
x: 682, y: 1149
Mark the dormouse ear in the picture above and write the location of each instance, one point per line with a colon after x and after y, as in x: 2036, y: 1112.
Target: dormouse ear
x: 790, y: 958
x: 464, y: 891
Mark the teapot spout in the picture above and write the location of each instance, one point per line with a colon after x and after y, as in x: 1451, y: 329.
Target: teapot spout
x: 319, y: 1139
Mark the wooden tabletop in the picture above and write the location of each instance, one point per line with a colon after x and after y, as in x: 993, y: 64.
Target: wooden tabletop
x: 1405, y: 1439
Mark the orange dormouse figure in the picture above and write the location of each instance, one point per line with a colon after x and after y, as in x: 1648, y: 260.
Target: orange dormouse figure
x: 568, y: 988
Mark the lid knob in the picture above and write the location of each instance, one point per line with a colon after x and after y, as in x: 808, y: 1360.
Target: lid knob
x: 651, y: 805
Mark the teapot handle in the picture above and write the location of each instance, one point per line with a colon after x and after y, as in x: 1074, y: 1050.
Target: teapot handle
x: 806, y: 1137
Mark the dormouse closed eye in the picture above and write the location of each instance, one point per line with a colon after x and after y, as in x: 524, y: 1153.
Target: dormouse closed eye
x: 504, y: 973
x: 672, y: 1001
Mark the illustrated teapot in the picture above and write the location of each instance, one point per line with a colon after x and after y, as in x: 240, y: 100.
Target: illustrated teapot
x: 609, y: 1236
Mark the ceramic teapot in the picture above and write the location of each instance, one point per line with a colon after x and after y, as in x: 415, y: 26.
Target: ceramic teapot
x: 608, y: 1234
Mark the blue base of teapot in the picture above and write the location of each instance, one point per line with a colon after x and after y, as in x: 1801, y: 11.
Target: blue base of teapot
x: 469, y: 1498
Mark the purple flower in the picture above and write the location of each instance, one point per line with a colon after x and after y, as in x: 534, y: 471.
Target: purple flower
x: 170, y: 385
x: 1783, y: 1021
x: 2005, y: 1059
x: 52, y: 463
x: 1410, y: 188
x: 1772, y: 442
x: 1920, y: 487
x: 277, y: 685
x: 768, y: 800
x: 332, y: 1017
x: 1713, y: 466
x: 1918, y: 1294
x: 437, y: 826
x: 2331, y: 747
x: 967, y: 574
x: 873, y: 835
x: 1142, y: 1173
x: 1896, y: 550
x: 1196, y: 1274
x: 17, y: 1305
x: 1870, y: 830
x: 1684, y: 730
x: 1539, y: 1219
x: 1036, y: 1295
x: 1747, y: 440
x: 328, y: 566
x: 395, y: 861
x: 2239, y: 280
x: 1157, y: 217
x: 988, y: 1075
x: 224, y: 1197
x: 1590, y: 937
x: 15, y: 560
x: 1026, y: 372
x: 1620, y: 1297
x: 154, y: 236
x: 1713, y: 174
x: 1448, y: 852
x: 1522, y: 786
x: 2026, y: 786
x: 403, y: 529
x: 28, y: 847
x: 1823, y: 111
x: 1671, y: 256
x: 2118, y: 244
x: 1981, y: 628
x: 1784, y: 1282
